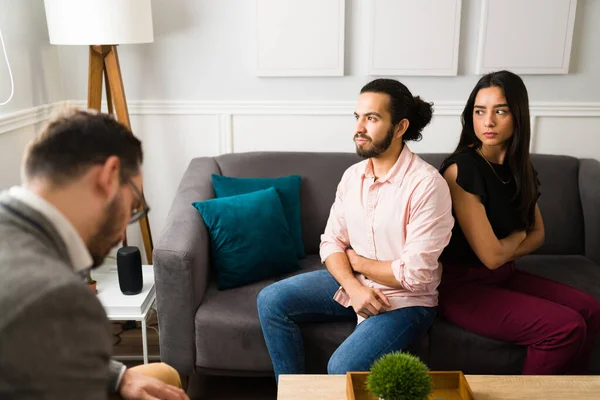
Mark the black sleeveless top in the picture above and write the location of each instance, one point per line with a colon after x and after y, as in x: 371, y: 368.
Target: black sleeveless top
x: 476, y: 176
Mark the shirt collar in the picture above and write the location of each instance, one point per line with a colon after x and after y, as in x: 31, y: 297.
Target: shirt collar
x: 398, y: 170
x: 79, y: 254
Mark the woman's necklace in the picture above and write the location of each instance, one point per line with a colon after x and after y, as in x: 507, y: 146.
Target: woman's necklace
x: 488, y: 163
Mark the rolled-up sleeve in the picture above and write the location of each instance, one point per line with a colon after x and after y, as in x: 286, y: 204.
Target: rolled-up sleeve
x: 428, y: 232
x: 335, y: 238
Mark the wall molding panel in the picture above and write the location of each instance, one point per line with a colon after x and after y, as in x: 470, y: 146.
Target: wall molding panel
x: 528, y: 44
x: 410, y: 37
x: 272, y: 117
x: 300, y: 37
x: 265, y: 121
x: 27, y: 117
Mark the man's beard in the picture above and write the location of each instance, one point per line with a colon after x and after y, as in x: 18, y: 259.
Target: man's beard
x: 377, y: 148
x: 108, y: 233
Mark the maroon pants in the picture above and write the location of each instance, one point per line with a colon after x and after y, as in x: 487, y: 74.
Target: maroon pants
x: 556, y: 322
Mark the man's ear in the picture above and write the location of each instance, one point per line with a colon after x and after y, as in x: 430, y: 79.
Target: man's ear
x: 401, y: 128
x: 108, y: 178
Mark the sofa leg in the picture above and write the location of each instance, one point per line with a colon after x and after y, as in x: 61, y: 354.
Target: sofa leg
x: 197, y: 386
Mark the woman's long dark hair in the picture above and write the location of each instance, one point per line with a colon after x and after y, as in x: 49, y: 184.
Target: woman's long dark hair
x: 517, y: 154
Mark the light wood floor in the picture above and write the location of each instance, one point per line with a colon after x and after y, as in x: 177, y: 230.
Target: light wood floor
x: 129, y: 343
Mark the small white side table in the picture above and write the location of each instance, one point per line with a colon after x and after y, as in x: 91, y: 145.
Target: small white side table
x: 120, y: 307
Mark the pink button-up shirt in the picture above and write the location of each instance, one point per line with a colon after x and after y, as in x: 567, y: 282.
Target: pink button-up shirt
x: 404, y: 217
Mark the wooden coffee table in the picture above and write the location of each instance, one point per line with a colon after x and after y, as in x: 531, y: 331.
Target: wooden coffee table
x: 485, y: 387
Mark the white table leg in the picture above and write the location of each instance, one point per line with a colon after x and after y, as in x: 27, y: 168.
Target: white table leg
x: 144, y: 341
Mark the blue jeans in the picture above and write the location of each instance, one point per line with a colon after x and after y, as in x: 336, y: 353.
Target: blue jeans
x: 308, y: 297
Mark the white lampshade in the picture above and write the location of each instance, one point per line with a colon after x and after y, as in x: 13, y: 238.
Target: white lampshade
x: 96, y: 22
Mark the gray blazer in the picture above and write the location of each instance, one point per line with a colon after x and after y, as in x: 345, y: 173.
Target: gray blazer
x: 55, y: 339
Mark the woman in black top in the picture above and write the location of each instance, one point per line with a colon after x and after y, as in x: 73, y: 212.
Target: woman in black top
x: 494, y: 192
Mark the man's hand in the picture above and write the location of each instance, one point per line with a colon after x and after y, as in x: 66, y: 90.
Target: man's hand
x: 354, y: 259
x: 368, y: 301
x: 135, y: 386
x: 374, y: 270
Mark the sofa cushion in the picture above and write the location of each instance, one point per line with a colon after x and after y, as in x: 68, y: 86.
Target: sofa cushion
x: 227, y: 325
x: 321, y: 173
x: 228, y: 333
x: 456, y: 349
x: 559, y: 177
x: 434, y: 159
x: 577, y: 271
x: 560, y: 204
x: 288, y: 189
x: 249, y: 237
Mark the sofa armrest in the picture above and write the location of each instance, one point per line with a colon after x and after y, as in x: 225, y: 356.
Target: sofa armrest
x: 589, y: 192
x: 181, y: 266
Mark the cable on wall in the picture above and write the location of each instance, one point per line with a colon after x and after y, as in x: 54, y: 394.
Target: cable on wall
x: 12, y: 82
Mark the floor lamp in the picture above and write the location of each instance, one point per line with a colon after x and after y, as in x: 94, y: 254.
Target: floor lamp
x: 102, y: 25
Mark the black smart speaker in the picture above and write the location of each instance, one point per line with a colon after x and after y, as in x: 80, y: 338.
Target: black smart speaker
x: 129, y: 268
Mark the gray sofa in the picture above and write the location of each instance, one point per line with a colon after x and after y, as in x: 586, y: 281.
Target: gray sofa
x: 206, y: 331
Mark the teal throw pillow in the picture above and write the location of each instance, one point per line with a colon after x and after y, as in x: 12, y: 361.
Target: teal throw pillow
x: 249, y: 237
x: 288, y: 188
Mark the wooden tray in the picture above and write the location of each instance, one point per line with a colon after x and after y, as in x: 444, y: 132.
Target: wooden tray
x: 447, y: 385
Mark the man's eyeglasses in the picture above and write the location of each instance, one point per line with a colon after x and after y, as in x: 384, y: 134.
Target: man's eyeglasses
x: 138, y: 213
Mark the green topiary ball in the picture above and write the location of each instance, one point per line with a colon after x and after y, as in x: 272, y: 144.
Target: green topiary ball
x: 399, y: 376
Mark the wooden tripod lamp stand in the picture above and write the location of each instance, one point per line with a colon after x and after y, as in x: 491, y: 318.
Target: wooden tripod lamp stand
x: 102, y: 25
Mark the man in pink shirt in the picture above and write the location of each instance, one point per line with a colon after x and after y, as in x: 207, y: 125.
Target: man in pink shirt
x: 390, y: 221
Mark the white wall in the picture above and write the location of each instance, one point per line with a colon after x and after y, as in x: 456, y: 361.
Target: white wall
x: 204, y: 50
x: 34, y: 62
x: 37, y: 80
x: 12, y: 144
x: 193, y: 92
